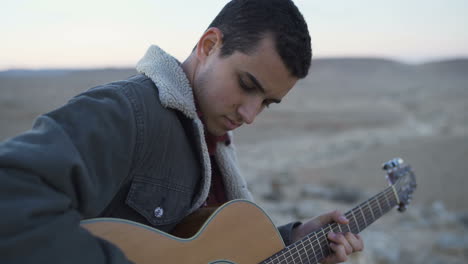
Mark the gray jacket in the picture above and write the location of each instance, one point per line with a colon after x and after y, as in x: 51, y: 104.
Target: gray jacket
x: 123, y: 149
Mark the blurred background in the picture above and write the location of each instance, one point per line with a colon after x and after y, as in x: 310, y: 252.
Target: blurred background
x: 388, y: 79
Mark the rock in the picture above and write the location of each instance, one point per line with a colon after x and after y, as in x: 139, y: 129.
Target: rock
x: 453, y: 244
x: 307, y: 208
x: 438, y: 259
x: 332, y: 192
x: 438, y: 216
x: 278, y: 187
x: 463, y: 218
x: 346, y: 195
x: 382, y: 248
x: 315, y: 191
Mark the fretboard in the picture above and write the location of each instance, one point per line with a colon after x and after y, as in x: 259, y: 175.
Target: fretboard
x: 315, y: 246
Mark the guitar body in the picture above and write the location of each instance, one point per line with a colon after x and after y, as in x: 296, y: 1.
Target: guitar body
x: 238, y: 232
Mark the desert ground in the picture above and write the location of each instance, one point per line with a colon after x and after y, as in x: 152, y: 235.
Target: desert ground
x: 322, y: 148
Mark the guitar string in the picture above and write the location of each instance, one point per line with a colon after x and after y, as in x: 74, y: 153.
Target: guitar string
x: 374, y: 200
x: 330, y: 227
x: 357, y: 225
x: 370, y: 208
x: 398, y: 187
x: 319, y: 240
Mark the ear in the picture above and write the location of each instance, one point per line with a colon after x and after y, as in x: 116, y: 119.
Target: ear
x: 210, y: 41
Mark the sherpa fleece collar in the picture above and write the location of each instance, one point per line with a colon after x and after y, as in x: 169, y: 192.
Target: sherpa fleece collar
x: 174, y: 87
x: 175, y: 92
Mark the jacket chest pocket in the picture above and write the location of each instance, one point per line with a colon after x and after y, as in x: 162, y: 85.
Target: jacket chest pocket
x: 159, y: 204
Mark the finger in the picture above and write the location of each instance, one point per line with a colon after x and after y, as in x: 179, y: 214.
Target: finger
x: 339, y: 254
x: 355, y: 241
x: 340, y: 239
x: 335, y: 215
x: 338, y: 217
x: 341, y: 218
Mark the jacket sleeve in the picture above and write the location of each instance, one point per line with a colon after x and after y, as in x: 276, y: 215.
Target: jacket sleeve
x: 66, y: 168
x: 286, y: 232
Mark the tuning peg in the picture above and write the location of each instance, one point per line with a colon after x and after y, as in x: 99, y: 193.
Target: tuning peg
x: 396, y: 162
x: 387, y: 165
x: 402, y: 208
x: 399, y: 161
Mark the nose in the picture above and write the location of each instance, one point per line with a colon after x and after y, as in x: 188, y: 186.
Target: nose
x: 249, y: 110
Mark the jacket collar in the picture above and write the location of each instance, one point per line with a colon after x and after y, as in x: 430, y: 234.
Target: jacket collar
x: 174, y: 88
x: 175, y: 92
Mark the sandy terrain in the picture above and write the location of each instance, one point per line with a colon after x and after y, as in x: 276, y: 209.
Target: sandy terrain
x: 349, y: 116
x: 333, y: 130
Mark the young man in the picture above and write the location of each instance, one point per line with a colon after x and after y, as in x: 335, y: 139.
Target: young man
x: 155, y: 147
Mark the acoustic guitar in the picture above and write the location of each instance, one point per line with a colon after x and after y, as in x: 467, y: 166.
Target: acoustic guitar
x: 240, y: 232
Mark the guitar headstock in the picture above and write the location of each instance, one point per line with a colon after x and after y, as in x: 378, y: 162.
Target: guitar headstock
x: 401, y: 176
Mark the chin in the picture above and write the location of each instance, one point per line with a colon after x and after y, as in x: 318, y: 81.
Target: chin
x: 215, y: 131
x: 218, y: 133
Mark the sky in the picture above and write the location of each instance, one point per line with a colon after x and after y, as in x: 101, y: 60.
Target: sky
x: 116, y: 33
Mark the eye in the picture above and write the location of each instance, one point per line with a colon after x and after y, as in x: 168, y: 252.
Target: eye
x: 244, y: 86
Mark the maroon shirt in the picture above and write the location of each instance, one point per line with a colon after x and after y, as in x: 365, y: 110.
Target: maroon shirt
x: 217, y: 194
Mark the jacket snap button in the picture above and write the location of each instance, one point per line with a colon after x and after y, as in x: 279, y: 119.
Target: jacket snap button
x: 158, y: 212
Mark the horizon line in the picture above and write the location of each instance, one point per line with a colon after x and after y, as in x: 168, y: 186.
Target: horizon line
x: 333, y: 57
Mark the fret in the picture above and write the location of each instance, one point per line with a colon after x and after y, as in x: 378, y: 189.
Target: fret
x: 371, y: 210
x: 395, y: 201
x: 380, y: 208
x: 387, y: 200
x: 349, y: 227
x: 335, y: 227
x: 277, y: 258
x: 357, y: 224
x: 396, y: 194
x: 298, y: 254
x: 313, y: 247
x: 305, y: 252
x: 376, y: 211
x: 388, y: 203
x: 363, y: 216
x: 285, y: 258
x: 326, y: 241
x: 358, y: 216
x: 318, y: 242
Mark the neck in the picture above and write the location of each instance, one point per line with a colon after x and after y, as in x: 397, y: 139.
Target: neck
x: 189, y: 67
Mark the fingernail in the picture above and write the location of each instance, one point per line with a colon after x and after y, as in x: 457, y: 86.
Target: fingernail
x: 343, y: 218
x: 332, y: 235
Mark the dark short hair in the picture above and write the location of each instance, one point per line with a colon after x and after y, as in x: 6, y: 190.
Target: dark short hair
x: 245, y: 22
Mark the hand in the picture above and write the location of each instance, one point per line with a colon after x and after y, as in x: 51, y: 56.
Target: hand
x: 341, y: 244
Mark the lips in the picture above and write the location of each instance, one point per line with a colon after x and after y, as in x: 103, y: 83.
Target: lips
x: 231, y: 125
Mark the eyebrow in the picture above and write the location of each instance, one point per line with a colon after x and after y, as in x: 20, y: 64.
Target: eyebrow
x: 257, y: 85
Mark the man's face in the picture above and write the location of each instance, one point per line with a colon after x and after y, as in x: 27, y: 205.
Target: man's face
x: 233, y: 90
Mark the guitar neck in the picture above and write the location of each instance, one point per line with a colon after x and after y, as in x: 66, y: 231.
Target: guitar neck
x: 315, y: 246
